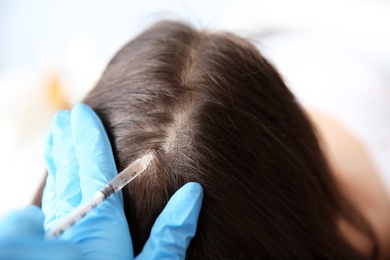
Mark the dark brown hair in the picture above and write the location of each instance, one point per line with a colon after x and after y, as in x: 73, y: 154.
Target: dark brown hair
x: 220, y: 115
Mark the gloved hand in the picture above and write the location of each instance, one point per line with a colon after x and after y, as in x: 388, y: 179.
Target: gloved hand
x: 22, y: 237
x: 80, y: 161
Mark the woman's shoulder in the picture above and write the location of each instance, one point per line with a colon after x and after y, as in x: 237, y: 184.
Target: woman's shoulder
x: 357, y: 178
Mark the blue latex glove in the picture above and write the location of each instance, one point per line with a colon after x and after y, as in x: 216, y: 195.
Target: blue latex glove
x: 22, y: 237
x: 80, y: 161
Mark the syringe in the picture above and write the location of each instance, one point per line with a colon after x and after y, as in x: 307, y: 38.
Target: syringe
x: 113, y: 186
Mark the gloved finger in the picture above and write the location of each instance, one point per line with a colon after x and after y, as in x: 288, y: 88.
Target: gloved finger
x: 32, y: 249
x: 67, y: 184
x: 17, y: 223
x: 176, y: 225
x: 49, y: 198
x: 22, y: 237
x: 93, y: 150
x: 48, y: 155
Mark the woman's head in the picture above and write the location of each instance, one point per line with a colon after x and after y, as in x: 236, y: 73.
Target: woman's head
x: 219, y: 114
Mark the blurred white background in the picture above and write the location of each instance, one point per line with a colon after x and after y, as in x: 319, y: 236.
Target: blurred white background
x: 334, y: 54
